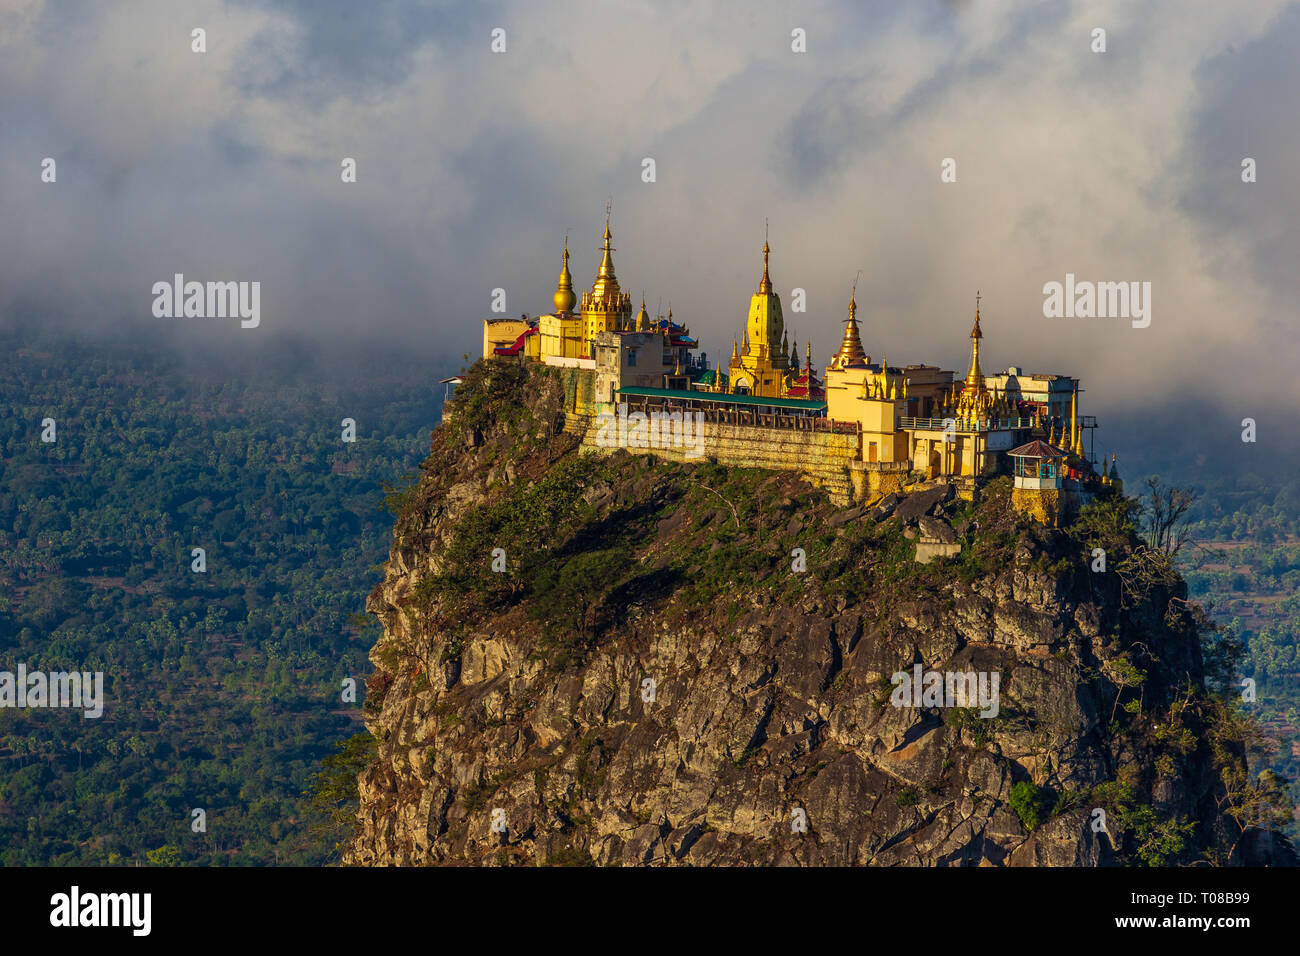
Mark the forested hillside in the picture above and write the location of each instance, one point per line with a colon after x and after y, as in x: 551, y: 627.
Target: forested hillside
x: 223, y: 687
x: 1244, y: 562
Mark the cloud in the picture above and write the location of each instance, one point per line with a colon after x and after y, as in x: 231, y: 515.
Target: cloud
x: 473, y: 165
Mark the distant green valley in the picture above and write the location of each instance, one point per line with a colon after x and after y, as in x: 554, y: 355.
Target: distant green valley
x: 222, y: 687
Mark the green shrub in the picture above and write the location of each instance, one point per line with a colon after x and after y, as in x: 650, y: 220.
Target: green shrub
x: 1032, y: 804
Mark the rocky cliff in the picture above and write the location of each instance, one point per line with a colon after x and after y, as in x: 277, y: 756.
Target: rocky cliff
x: 621, y: 660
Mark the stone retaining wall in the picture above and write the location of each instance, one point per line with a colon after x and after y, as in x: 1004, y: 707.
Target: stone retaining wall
x: 822, y: 456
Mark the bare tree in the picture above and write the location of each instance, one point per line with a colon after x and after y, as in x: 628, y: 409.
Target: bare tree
x: 1164, y: 522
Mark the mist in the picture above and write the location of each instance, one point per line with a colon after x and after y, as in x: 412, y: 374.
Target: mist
x: 472, y: 166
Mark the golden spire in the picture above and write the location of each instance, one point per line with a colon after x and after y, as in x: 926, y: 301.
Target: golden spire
x: 1076, y: 433
x: 765, y: 285
x: 851, y: 351
x: 735, y: 352
x: 975, y: 377
x: 606, y: 282
x: 643, y: 317
x: 564, y: 298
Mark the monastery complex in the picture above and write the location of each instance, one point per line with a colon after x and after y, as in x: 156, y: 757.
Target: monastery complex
x: 859, y: 427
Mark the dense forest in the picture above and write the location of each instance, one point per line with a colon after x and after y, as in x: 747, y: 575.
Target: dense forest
x: 223, y: 687
x: 1243, y: 562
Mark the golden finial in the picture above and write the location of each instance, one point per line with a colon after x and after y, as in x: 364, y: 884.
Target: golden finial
x: 765, y: 285
x: 606, y: 284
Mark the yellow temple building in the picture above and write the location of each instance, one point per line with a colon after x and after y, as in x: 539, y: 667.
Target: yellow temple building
x: 762, y: 365
x: 606, y: 308
x: 864, y: 429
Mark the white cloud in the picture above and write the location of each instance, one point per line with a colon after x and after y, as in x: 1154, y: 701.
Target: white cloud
x: 473, y: 165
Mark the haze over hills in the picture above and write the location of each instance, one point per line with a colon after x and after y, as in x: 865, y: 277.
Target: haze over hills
x: 222, y: 688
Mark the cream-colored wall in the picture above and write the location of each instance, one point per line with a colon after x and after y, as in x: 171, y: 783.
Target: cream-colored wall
x: 1054, y: 390
x: 561, y: 336
x: 924, y: 382
x: 843, y: 390
x: 499, y: 333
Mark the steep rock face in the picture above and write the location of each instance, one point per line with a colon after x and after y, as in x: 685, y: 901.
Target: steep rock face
x: 524, y: 696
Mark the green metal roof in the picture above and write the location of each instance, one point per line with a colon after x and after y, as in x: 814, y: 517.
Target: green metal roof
x: 685, y: 395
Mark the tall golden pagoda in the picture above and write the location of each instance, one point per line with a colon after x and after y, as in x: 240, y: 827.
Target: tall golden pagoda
x: 762, y: 367
x: 606, y: 307
x: 975, y: 401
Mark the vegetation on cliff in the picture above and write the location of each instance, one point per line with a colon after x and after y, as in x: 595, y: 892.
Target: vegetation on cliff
x: 532, y: 592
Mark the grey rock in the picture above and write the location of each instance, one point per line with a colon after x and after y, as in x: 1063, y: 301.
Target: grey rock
x: 937, y: 529
x: 920, y: 503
